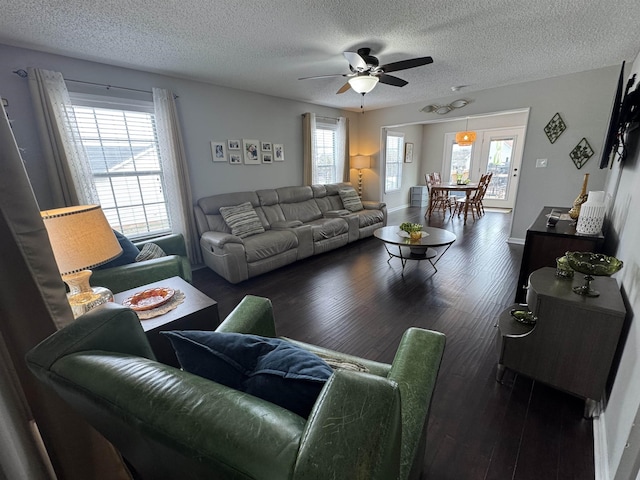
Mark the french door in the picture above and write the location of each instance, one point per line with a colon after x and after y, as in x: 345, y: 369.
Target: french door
x: 496, y: 151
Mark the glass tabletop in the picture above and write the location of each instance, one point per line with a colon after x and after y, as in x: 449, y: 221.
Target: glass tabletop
x: 435, y: 237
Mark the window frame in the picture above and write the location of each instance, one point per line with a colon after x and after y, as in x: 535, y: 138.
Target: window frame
x: 151, y: 210
x: 397, y: 163
x: 326, y: 125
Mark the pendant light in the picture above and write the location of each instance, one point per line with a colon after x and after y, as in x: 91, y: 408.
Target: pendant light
x: 466, y: 137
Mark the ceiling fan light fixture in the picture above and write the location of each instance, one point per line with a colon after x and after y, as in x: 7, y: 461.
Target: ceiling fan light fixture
x: 363, y: 83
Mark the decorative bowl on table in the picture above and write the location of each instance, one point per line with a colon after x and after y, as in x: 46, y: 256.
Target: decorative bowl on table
x: 149, y: 299
x: 414, y: 230
x: 592, y: 264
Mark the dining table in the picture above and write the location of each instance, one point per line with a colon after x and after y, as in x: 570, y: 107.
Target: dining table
x: 467, y: 188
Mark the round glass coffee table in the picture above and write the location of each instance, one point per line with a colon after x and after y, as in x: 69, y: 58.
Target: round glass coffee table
x: 421, y: 249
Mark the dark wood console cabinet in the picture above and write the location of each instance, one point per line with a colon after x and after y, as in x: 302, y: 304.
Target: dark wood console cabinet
x: 544, y: 244
x: 573, y: 342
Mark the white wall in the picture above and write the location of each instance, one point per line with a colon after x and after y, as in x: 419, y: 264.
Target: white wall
x: 207, y: 113
x: 584, y: 102
x: 623, y: 409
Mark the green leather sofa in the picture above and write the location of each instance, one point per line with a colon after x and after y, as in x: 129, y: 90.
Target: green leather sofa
x: 132, y: 275
x: 170, y: 424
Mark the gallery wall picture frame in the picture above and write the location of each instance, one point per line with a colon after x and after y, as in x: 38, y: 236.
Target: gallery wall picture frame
x: 219, y: 151
x: 267, y: 158
x: 251, y: 151
x: 233, y: 144
x: 235, y: 158
x: 408, y: 152
x: 278, y: 152
x: 265, y: 146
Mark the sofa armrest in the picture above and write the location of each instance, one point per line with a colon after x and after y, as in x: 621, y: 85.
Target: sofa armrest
x: 353, y: 431
x: 286, y: 224
x: 219, y: 239
x: 253, y: 315
x: 132, y: 275
x: 336, y: 213
x: 415, y: 369
x: 371, y: 205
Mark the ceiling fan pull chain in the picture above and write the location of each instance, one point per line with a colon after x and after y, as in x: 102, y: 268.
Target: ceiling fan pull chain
x: 362, y: 103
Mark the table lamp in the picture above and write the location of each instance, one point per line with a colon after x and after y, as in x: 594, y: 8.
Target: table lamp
x: 359, y: 162
x: 81, y: 239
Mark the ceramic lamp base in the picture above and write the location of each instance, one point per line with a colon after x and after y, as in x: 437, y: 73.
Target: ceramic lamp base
x: 82, y: 297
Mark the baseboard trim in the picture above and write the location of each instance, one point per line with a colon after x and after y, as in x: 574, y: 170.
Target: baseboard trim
x: 516, y: 241
x: 600, y: 450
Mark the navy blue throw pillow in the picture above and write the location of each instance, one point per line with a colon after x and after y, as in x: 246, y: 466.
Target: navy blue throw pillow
x: 129, y: 253
x: 269, y: 368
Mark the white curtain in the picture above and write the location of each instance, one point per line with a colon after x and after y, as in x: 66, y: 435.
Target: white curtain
x: 176, y: 172
x: 342, y: 146
x: 65, y: 157
x: 308, y: 147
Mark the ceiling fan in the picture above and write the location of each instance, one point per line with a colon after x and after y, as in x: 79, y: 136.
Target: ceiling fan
x: 366, y: 71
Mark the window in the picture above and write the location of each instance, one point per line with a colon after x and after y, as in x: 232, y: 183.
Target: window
x: 394, y: 152
x: 121, y: 143
x: 324, y: 137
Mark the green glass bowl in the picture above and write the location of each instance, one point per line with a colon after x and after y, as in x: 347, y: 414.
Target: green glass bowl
x: 595, y: 264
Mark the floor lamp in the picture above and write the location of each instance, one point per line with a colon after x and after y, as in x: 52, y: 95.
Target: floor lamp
x: 359, y: 162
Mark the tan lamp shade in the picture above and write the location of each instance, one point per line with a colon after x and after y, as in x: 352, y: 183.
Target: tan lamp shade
x: 361, y: 161
x: 81, y: 237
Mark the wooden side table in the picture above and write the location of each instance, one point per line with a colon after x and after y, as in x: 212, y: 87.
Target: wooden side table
x: 573, y: 342
x: 197, y: 312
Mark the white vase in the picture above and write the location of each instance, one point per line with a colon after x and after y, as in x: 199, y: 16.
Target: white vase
x: 592, y: 214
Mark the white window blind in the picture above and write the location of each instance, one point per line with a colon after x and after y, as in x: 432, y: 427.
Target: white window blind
x: 122, y: 146
x: 393, y: 161
x: 325, y: 156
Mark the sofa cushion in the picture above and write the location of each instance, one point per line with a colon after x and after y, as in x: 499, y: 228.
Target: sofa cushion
x: 268, y: 244
x: 150, y: 251
x: 350, y: 199
x: 129, y: 253
x: 269, y: 368
x: 242, y: 220
x: 367, y: 218
x: 325, y: 228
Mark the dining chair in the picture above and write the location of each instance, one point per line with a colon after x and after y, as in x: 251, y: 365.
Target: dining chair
x: 475, y: 199
x: 440, y: 200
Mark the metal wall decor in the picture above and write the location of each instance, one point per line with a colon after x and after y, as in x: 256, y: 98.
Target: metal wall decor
x: 442, y: 109
x: 581, y: 153
x: 554, y: 128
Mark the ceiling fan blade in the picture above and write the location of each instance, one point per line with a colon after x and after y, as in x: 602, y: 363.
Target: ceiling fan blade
x: 356, y: 61
x: 391, y: 80
x: 405, y: 64
x: 327, y: 76
x: 344, y: 88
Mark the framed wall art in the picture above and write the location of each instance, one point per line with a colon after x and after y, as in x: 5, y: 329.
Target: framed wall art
x: 218, y: 152
x: 265, y: 146
x: 251, y: 151
x: 581, y: 153
x: 555, y: 127
x: 267, y: 158
x: 408, y: 152
x: 235, y: 158
x: 233, y: 144
x: 278, y: 152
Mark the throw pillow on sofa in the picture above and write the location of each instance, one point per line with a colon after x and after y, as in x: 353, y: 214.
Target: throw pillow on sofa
x: 350, y: 199
x: 150, y: 251
x: 269, y: 368
x: 129, y: 253
x: 242, y: 220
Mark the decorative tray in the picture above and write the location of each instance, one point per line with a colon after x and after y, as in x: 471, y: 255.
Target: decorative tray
x: 524, y: 316
x: 149, y: 299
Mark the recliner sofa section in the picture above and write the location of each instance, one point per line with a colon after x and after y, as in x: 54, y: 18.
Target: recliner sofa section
x: 298, y: 222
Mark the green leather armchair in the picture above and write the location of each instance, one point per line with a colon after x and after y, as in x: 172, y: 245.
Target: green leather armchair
x: 170, y: 424
x: 132, y: 275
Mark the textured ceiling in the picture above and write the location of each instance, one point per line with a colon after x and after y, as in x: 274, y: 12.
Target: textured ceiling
x: 265, y: 46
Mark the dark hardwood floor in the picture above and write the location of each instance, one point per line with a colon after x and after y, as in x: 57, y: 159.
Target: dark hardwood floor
x: 353, y: 301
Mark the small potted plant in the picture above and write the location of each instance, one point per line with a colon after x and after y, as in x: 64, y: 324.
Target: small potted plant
x: 413, y: 229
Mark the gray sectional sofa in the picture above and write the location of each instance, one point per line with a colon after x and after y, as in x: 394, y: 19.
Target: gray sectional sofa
x: 297, y: 222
